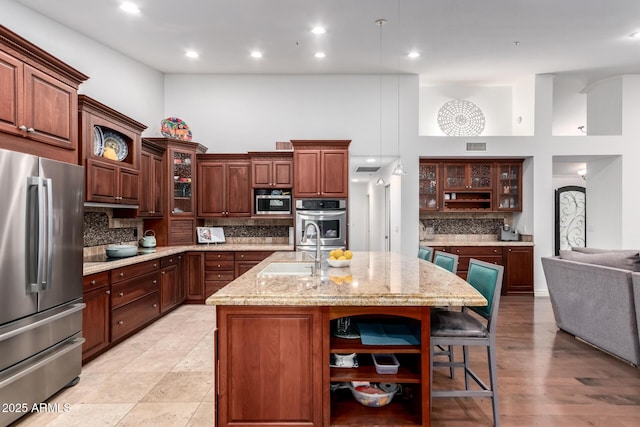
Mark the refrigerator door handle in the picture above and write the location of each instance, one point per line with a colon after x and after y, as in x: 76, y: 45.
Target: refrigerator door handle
x: 21, y: 330
x: 35, y: 266
x: 46, y: 283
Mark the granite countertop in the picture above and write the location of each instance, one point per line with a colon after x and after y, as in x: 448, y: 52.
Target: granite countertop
x: 372, y: 279
x: 466, y: 242
x: 90, y: 267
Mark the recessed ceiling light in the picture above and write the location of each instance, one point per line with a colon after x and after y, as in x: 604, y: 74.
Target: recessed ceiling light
x: 635, y: 35
x: 318, y: 30
x: 320, y: 55
x: 413, y: 54
x: 371, y: 160
x: 354, y: 180
x: 256, y: 54
x: 130, y: 8
x: 191, y: 54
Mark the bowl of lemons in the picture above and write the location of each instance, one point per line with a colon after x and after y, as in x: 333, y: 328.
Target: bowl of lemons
x: 339, y: 258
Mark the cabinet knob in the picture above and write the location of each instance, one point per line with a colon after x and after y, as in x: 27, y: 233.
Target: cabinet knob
x: 154, y: 282
x: 179, y: 256
x: 164, y: 272
x: 22, y: 127
x: 495, y: 251
x: 242, y: 256
x: 120, y: 322
x: 155, y: 265
x: 93, y: 282
x: 108, y: 292
x: 121, y: 294
x: 218, y: 265
x: 155, y: 305
x: 509, y: 249
x: 121, y: 274
x: 170, y: 259
x: 31, y: 130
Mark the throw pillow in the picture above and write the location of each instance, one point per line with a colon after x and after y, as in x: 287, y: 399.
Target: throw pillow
x: 620, y: 260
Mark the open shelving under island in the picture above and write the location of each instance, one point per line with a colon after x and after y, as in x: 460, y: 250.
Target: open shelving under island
x: 274, y: 340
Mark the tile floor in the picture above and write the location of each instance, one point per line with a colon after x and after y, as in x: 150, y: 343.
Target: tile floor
x: 161, y: 376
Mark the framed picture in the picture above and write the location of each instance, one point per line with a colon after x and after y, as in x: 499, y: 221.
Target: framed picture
x: 210, y: 235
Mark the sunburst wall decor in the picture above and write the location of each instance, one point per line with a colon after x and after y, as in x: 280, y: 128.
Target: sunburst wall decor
x: 460, y: 117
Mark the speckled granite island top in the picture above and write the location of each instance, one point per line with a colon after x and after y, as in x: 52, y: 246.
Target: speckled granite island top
x: 372, y: 279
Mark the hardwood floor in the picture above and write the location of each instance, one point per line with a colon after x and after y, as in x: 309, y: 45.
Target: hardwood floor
x: 163, y: 376
x: 546, y: 377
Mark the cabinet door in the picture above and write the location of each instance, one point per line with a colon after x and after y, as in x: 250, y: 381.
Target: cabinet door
x: 455, y: 176
x: 334, y: 170
x: 193, y: 275
x: 280, y: 337
x: 307, y: 172
x: 480, y: 175
x: 518, y: 270
x: 151, y: 180
x: 181, y: 293
x: 157, y: 184
x: 211, y: 200
x: 11, y: 82
x: 509, y: 188
x: 168, y: 287
x: 429, y: 188
x: 51, y: 110
x: 261, y: 173
x: 102, y: 182
x: 238, y: 189
x: 129, y: 186
x: 282, y: 174
x: 95, y: 316
x: 182, y: 195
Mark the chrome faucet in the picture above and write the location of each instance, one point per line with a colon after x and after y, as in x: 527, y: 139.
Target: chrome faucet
x: 305, y: 236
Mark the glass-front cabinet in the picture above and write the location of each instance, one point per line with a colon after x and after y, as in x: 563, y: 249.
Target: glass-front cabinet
x: 429, y: 186
x: 467, y: 176
x: 509, y: 186
x: 182, y: 195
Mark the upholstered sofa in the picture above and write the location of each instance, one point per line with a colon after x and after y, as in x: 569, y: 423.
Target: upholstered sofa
x: 598, y: 303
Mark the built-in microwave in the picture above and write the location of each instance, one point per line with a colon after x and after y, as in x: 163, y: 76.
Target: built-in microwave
x: 271, y: 204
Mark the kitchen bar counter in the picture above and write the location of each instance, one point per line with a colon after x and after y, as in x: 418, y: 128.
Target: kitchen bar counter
x: 372, y: 279
x: 97, y: 267
x: 275, y: 336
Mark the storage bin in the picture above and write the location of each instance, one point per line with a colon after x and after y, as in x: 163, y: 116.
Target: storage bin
x: 386, y: 363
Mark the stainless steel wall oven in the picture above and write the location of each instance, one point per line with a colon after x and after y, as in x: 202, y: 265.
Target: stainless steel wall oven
x: 331, y: 217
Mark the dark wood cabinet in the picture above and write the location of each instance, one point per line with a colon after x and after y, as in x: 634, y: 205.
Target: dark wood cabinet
x: 219, y: 270
x: 509, y: 186
x: 518, y: 270
x: 491, y: 254
x: 135, y: 298
x: 113, y: 181
x: 177, y: 222
x: 171, y: 285
x: 152, y: 179
x: 286, y: 338
x: 321, y: 168
x: 38, y: 112
x: 95, y: 316
x: 429, y: 176
x: 271, y: 170
x: 225, y: 185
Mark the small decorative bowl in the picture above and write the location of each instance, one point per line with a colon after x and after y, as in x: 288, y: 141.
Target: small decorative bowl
x: 375, y: 400
x: 339, y: 262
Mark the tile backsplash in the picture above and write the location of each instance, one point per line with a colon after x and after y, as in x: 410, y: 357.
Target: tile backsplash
x: 100, y: 228
x: 456, y: 223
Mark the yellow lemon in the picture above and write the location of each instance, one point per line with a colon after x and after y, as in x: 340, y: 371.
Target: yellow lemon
x: 338, y: 253
x: 332, y: 254
x: 348, y: 254
x: 332, y: 258
x: 342, y: 258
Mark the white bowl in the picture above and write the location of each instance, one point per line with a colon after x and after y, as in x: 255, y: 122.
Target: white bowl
x: 374, y: 400
x: 339, y: 262
x: 121, y: 251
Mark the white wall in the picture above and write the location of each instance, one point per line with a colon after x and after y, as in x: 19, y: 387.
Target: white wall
x: 604, y: 107
x: 494, y: 101
x: 569, y: 106
x: 115, y: 80
x: 358, y: 216
x: 524, y: 100
x: 604, y: 206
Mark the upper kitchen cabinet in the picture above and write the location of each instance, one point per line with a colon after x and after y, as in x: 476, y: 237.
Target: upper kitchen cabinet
x: 509, y: 185
x: 110, y: 152
x: 177, y: 222
x: 468, y: 176
x: 429, y: 186
x: 225, y: 185
x: 321, y: 168
x: 152, y: 179
x: 271, y: 170
x: 38, y: 100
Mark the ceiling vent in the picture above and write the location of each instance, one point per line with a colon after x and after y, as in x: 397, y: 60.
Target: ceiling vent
x: 368, y: 169
x: 476, y: 146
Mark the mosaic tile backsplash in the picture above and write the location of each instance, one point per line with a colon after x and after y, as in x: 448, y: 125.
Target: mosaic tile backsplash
x: 97, y: 231
x: 463, y: 225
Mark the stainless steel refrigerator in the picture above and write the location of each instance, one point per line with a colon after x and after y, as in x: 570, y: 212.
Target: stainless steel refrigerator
x: 41, y: 226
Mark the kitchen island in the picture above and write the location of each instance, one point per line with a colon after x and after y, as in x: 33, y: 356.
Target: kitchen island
x: 275, y: 338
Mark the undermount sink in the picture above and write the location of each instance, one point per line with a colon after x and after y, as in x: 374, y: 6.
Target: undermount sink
x: 287, y: 269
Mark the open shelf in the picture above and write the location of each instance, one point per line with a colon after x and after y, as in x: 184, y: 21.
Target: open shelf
x: 343, y: 345
x: 347, y: 411
x: 368, y: 373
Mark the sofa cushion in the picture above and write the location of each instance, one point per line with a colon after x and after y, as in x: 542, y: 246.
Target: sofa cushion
x: 626, y: 260
x: 629, y: 252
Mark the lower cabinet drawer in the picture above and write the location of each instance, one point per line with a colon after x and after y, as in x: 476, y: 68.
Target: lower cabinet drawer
x: 213, y: 286
x: 463, y: 262
x: 133, y: 315
x: 124, y: 292
x: 219, y: 275
x: 218, y: 265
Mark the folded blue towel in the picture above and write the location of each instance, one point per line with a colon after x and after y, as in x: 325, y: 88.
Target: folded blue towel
x: 375, y: 333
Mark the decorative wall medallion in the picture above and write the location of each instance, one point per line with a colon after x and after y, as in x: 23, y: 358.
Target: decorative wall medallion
x: 460, y: 117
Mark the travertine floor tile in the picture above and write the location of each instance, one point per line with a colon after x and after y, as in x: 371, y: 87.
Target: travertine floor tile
x: 199, y: 359
x: 159, y: 415
x: 124, y: 387
x: 92, y: 414
x: 153, y: 361
x: 203, y: 417
x: 181, y: 387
